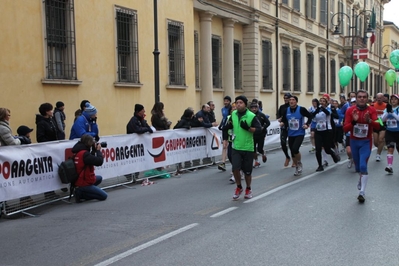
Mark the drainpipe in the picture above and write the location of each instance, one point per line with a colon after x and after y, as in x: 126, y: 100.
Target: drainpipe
x: 277, y: 64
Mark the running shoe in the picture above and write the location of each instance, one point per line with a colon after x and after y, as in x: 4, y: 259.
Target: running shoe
x: 222, y: 167
x: 287, y: 162
x: 299, y: 168
x: 325, y: 163
x: 350, y: 163
x: 297, y: 173
x: 264, y: 158
x: 361, y: 198
x: 377, y: 158
x: 319, y: 169
x: 257, y: 164
x: 359, y: 184
x: 312, y: 150
x: 335, y: 157
x: 389, y: 169
x: 232, y: 180
x: 248, y: 194
x: 237, y: 193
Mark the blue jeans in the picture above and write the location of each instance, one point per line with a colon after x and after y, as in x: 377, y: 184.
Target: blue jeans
x: 92, y: 192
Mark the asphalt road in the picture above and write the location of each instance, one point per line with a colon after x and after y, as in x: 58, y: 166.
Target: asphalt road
x: 313, y: 219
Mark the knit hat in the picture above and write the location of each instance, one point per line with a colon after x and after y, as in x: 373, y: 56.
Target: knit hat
x: 327, y: 96
x: 395, y: 95
x: 59, y: 104
x: 253, y: 104
x: 138, y: 107
x: 242, y: 98
x: 227, y: 98
x: 386, y: 95
x: 90, y: 109
x: 23, y: 130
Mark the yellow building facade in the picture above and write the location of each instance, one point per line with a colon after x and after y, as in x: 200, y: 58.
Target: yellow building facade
x: 103, y: 51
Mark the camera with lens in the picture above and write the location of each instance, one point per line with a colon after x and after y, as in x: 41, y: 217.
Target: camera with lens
x: 103, y: 144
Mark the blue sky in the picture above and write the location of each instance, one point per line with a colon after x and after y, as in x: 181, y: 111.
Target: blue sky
x: 391, y: 12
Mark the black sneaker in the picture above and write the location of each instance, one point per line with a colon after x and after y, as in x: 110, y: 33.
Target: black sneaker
x: 335, y: 157
x: 361, y: 198
x: 389, y: 169
x: 264, y: 158
x: 222, y: 167
x: 319, y: 169
x: 76, y: 195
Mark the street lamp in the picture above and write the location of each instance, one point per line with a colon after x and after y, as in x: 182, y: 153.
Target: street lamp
x: 352, y: 26
x: 385, y: 58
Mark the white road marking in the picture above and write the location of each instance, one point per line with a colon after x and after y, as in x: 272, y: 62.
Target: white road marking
x: 145, y: 245
x: 223, y: 212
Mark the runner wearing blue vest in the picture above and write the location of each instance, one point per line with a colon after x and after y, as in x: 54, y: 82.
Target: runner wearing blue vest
x: 294, y: 117
x: 391, y: 118
x: 244, y: 124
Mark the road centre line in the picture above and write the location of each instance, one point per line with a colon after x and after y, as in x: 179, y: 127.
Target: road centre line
x: 292, y: 183
x: 223, y: 212
x: 145, y: 245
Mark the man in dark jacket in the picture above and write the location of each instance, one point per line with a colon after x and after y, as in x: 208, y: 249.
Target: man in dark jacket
x: 59, y: 119
x: 282, y: 110
x: 137, y: 124
x: 259, y: 136
x: 87, y: 155
x: 201, y: 118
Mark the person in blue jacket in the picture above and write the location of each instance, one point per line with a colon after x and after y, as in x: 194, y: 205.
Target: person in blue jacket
x: 86, y: 124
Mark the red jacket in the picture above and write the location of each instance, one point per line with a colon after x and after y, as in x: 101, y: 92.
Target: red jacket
x: 348, y: 126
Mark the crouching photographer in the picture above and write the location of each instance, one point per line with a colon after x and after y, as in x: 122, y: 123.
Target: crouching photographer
x: 88, y: 154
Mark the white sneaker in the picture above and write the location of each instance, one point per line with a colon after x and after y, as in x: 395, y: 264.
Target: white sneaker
x: 232, y: 180
x: 377, y: 158
x: 350, y: 163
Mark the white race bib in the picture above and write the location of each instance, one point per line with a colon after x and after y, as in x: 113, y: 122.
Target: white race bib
x: 360, y: 130
x: 392, y: 123
x: 293, y: 124
x: 321, y: 125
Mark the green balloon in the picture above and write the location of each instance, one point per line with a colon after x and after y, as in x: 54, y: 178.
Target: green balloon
x: 394, y: 58
x: 362, y: 71
x: 390, y: 77
x: 345, y: 74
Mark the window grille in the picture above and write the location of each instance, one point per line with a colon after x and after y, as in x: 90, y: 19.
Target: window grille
x: 196, y: 59
x: 176, y: 53
x: 216, y: 62
x: 333, y: 76
x: 237, y: 65
x: 60, y: 39
x: 286, y: 68
x: 267, y: 66
x: 322, y: 74
x: 323, y: 12
x: 127, y: 46
x: 297, y: 5
x: 310, y: 66
x: 297, y: 70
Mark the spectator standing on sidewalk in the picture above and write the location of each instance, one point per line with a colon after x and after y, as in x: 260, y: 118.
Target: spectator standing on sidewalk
x: 243, y: 123
x: 59, y: 119
x: 226, y: 110
x: 360, y: 120
x: 86, y: 124
x: 158, y: 118
x: 82, y: 108
x: 211, y: 113
x: 6, y: 137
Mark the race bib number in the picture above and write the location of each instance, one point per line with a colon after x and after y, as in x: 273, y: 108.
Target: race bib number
x: 392, y: 123
x: 321, y: 125
x: 360, y: 130
x: 293, y: 124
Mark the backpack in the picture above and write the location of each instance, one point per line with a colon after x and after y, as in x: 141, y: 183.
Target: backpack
x: 67, y: 171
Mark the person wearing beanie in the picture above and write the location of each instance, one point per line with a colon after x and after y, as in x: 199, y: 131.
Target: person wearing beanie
x: 225, y: 113
x: 243, y: 124
x: 295, y: 119
x: 137, y: 124
x: 86, y: 123
x: 59, y: 119
x: 282, y: 110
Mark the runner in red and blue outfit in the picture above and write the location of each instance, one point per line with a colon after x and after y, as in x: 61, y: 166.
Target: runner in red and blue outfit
x: 360, y: 120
